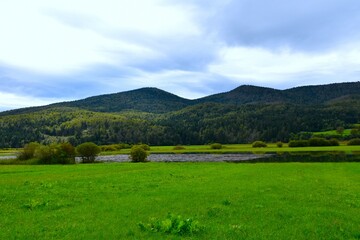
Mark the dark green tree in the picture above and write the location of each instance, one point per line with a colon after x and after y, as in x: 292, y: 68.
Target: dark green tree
x: 138, y: 154
x: 88, y: 151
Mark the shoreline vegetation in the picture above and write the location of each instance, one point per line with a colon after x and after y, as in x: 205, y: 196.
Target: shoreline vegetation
x: 226, y: 148
x: 273, y: 152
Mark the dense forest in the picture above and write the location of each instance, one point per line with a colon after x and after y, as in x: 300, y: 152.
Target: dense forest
x: 155, y: 117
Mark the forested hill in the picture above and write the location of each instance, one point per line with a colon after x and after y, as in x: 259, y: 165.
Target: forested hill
x: 144, y: 100
x: 154, y: 100
x: 308, y: 95
x: 153, y: 116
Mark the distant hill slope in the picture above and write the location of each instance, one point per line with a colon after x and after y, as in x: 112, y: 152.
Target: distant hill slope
x: 305, y: 95
x: 145, y: 99
x: 151, y: 100
x: 321, y: 94
x: 246, y: 94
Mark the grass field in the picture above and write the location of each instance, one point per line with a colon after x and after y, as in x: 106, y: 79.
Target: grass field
x: 229, y: 201
x: 242, y: 148
x: 8, y: 152
x: 347, y: 132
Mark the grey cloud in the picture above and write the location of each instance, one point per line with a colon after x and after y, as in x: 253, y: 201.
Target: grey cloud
x: 182, y: 52
x: 302, y: 25
x: 22, y: 82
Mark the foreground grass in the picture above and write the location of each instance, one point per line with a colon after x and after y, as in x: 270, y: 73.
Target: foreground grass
x: 230, y: 201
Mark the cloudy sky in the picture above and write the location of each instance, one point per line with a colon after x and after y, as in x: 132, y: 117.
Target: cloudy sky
x: 61, y: 50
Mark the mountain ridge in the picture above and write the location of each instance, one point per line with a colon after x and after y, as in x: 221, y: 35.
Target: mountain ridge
x: 154, y: 100
x: 156, y: 117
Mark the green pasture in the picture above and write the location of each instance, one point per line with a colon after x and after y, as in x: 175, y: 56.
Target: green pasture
x: 229, y: 201
x: 347, y: 132
x: 8, y: 152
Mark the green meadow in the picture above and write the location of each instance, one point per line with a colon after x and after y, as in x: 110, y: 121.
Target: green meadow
x: 8, y: 152
x: 347, y: 132
x: 225, y: 200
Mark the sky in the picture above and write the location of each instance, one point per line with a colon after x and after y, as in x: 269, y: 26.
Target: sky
x: 61, y: 50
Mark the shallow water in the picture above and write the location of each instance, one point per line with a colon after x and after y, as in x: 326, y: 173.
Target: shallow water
x: 187, y: 157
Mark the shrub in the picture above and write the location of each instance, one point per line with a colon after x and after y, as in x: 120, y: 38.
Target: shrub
x: 216, y: 146
x: 179, y: 147
x: 108, y: 148
x: 44, y: 154
x: 355, y: 132
x: 334, y: 142
x: 138, y: 154
x: 28, y: 151
x: 340, y: 130
x: 145, y: 147
x: 259, y: 144
x: 299, y: 143
x: 63, y: 153
x: 123, y: 146
x: 88, y: 151
x: 66, y: 153
x: 279, y: 144
x: 318, y: 142
x: 354, y: 142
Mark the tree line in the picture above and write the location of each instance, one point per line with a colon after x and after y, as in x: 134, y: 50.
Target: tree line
x: 198, y: 124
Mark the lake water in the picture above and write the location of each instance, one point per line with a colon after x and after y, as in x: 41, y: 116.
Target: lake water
x: 187, y: 157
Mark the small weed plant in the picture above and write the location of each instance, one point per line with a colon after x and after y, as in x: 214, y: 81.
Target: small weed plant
x: 172, y: 224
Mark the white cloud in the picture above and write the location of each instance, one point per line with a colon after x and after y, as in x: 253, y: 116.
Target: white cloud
x: 63, y: 36
x: 10, y: 101
x: 73, y: 49
x: 266, y: 67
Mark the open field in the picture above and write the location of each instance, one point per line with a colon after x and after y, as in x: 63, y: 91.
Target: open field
x: 242, y: 148
x: 8, y: 152
x: 347, y: 132
x: 230, y: 201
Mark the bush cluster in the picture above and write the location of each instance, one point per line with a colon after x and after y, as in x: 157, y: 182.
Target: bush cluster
x: 138, y: 153
x: 145, y: 147
x: 115, y: 147
x: 299, y: 143
x: 354, y: 142
x: 28, y: 151
x: 62, y: 153
x: 314, y: 142
x: 259, y: 144
x: 88, y: 151
x: 318, y: 142
x: 216, y: 146
x: 178, y: 147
